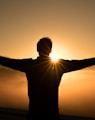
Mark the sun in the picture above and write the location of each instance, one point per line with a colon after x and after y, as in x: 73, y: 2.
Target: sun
x: 54, y: 57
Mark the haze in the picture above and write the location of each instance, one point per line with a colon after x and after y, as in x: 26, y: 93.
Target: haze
x: 71, y: 26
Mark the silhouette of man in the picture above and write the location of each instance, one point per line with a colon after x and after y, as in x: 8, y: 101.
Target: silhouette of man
x: 44, y: 77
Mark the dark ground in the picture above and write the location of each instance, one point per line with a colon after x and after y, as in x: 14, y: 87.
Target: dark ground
x: 14, y: 114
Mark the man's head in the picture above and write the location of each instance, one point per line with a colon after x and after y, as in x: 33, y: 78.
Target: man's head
x: 44, y: 46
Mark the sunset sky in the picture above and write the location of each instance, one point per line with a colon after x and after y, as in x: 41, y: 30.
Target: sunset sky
x: 71, y: 26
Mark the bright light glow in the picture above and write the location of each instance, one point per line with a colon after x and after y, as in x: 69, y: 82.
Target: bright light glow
x: 54, y: 57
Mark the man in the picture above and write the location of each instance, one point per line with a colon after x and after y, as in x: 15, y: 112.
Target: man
x: 44, y: 77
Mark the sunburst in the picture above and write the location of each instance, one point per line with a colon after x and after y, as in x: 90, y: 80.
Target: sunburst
x: 54, y: 57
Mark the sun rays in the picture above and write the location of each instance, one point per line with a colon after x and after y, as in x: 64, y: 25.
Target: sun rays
x: 54, y: 57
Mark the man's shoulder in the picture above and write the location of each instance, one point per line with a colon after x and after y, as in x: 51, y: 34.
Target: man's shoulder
x: 63, y: 60
x: 27, y: 60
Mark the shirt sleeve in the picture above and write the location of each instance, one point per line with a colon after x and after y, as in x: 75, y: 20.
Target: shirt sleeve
x: 17, y: 64
x: 72, y: 65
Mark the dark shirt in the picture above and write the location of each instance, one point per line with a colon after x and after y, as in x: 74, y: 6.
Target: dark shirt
x: 44, y: 77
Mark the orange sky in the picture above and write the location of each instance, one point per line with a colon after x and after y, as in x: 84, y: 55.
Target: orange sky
x: 71, y: 26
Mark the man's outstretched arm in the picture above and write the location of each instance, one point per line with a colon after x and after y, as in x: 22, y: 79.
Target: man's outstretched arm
x: 72, y: 65
x: 16, y: 64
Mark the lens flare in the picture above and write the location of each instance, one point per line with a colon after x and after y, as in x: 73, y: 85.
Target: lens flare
x: 54, y: 57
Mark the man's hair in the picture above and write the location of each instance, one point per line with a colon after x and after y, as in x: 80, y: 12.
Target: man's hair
x: 44, y: 45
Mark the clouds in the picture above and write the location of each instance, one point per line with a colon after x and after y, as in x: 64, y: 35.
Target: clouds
x: 10, y: 76
x: 77, y: 93
x: 13, y: 88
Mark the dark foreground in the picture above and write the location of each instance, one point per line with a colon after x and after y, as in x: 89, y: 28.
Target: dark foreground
x: 13, y: 114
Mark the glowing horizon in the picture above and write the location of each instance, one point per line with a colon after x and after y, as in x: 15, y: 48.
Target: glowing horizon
x: 72, y: 31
